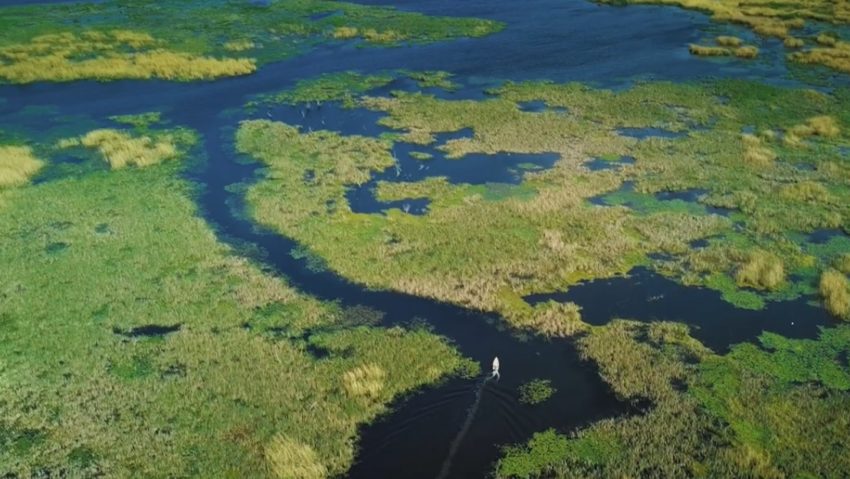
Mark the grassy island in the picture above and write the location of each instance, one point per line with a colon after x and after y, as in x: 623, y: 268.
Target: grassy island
x: 176, y: 40
x: 134, y: 343
x: 728, y: 183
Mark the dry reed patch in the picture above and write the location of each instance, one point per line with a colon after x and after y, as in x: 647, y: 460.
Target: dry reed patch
x: 761, y: 271
x: 121, y: 149
x: 365, y: 382
x: 290, y: 459
x: 112, y: 55
x: 17, y: 165
x: 835, y: 291
x: 756, y: 153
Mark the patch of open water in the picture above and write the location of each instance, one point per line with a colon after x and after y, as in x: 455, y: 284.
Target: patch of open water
x: 646, y: 296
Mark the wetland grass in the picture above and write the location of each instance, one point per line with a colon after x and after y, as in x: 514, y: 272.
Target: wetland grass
x: 536, y: 391
x: 200, y: 41
x: 699, y: 417
x: 835, y: 290
x: 121, y: 148
x: 17, y: 165
x: 486, y: 250
x: 774, y: 19
x: 86, y: 400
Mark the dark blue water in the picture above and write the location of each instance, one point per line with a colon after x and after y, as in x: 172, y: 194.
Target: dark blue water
x: 560, y: 40
x: 474, y: 169
x: 646, y: 296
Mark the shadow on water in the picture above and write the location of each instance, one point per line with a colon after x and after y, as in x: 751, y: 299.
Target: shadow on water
x: 646, y: 296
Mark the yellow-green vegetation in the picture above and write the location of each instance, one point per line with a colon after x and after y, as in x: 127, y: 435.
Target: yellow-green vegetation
x: 232, y: 390
x: 727, y: 46
x: 17, y: 165
x: 109, y: 56
x: 761, y: 271
x: 775, y: 410
x: 195, y: 41
x: 776, y: 19
x: 487, y: 246
x: 343, y: 87
x: 728, y: 41
x: 706, y: 51
x: 122, y: 148
x: 536, y: 391
x: 835, y: 289
x: 346, y: 86
x: 289, y: 459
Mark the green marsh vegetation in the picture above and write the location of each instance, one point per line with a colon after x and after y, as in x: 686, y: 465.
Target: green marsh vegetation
x: 536, y: 391
x: 224, y: 393
x: 726, y: 46
x: 782, y: 20
x: 763, y: 166
x: 776, y: 409
x: 203, y: 40
x: 346, y: 87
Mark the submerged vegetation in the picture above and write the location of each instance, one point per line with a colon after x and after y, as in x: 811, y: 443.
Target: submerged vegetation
x: 778, y: 410
x: 744, y: 195
x: 198, y: 40
x: 536, y: 391
x: 218, y: 377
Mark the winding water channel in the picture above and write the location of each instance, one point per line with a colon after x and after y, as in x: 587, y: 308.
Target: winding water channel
x: 571, y: 40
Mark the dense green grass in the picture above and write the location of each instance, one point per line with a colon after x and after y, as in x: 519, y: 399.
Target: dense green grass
x: 486, y: 245
x: 232, y: 392
x: 197, y: 41
x: 778, y: 410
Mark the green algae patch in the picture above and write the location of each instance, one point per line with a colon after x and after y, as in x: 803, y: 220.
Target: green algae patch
x: 88, y: 383
x: 198, y: 41
x: 17, y: 165
x: 703, y: 202
x: 778, y: 409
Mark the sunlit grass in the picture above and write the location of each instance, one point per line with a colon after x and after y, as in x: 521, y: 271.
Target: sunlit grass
x: 773, y: 19
x: 835, y: 290
x: 729, y: 41
x: 105, y: 56
x: 289, y: 459
x: 364, y: 382
x: 121, y: 148
x: 198, y: 41
x: 774, y: 410
x: 17, y: 165
x: 761, y: 271
x: 233, y: 391
x: 486, y: 250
